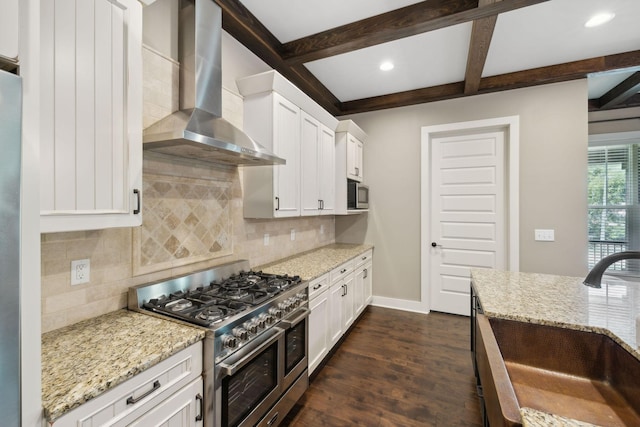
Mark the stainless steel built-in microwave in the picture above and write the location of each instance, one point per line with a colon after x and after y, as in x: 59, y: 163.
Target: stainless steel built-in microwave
x: 357, y: 195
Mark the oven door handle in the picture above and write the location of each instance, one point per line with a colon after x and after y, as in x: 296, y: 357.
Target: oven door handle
x: 290, y: 323
x: 236, y: 362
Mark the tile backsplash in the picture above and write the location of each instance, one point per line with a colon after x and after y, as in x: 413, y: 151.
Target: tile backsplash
x: 192, y: 220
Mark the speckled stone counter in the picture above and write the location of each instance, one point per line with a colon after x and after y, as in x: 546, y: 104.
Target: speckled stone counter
x: 534, y: 418
x: 315, y: 263
x: 81, y: 361
x: 564, y: 302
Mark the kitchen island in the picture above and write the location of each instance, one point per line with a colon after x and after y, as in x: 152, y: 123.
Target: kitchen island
x: 564, y: 302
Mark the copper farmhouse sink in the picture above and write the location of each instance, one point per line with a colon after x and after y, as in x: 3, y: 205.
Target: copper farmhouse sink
x: 575, y: 374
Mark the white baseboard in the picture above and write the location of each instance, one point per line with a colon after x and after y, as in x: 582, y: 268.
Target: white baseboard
x: 400, y: 304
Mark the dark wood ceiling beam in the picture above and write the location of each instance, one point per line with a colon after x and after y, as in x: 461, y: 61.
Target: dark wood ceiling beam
x: 538, y: 76
x: 619, y: 94
x: 242, y: 25
x: 633, y: 101
x: 481, y: 35
x: 396, y: 24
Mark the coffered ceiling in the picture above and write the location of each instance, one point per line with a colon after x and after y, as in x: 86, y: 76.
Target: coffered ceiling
x: 440, y: 49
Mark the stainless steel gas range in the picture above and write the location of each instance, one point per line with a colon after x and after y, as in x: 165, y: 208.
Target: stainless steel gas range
x: 256, y: 345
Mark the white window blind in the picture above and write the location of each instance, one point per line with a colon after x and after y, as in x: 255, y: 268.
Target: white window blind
x: 614, y: 208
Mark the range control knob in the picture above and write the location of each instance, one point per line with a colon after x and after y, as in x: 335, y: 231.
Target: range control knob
x: 275, y: 312
x: 240, y: 333
x: 251, y: 326
x: 285, y: 306
x: 302, y: 296
x: 268, y: 318
x: 294, y: 302
x: 261, y: 322
x: 229, y: 342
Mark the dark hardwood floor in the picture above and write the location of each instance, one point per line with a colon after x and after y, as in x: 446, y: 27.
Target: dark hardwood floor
x: 395, y: 368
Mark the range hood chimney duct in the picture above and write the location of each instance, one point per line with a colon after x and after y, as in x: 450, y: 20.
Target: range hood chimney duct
x: 198, y: 130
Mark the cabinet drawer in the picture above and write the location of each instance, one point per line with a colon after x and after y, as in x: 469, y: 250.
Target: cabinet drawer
x: 125, y: 402
x: 318, y: 285
x: 341, y: 271
x: 364, y: 258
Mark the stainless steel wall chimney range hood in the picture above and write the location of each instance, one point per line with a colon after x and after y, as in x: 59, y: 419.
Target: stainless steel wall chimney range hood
x: 198, y: 130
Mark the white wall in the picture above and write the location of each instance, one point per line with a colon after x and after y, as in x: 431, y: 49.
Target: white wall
x: 553, y: 174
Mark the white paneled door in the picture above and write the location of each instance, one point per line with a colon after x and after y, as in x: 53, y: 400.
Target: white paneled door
x: 467, y: 213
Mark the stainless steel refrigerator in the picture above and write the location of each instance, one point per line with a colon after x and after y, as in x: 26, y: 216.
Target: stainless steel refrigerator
x: 10, y: 141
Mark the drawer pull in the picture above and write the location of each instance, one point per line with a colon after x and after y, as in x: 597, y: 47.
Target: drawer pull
x: 344, y: 270
x: 132, y: 401
x: 366, y: 273
x: 316, y: 287
x: 364, y: 257
x: 201, y: 403
x: 273, y: 420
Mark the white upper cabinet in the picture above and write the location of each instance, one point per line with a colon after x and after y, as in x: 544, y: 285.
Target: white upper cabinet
x: 9, y: 19
x: 273, y: 191
x: 349, y: 162
x: 91, y: 114
x: 318, y: 165
x: 282, y: 118
x: 355, y: 149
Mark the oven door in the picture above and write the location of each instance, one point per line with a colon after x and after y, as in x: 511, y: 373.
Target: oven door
x: 250, y: 381
x: 296, y: 344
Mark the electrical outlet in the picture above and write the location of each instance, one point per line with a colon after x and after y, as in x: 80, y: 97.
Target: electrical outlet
x: 266, y: 239
x: 80, y: 271
x: 321, y: 228
x: 544, y: 235
x: 293, y: 234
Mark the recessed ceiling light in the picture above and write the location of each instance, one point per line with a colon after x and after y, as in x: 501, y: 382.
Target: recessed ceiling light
x: 599, y: 19
x: 386, y: 66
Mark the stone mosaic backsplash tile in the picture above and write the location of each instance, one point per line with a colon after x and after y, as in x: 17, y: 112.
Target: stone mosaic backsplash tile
x: 186, y: 220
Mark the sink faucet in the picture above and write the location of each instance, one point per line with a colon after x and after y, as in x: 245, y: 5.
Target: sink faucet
x: 594, y: 277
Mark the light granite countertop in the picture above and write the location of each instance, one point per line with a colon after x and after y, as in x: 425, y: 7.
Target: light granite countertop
x: 315, y: 263
x: 561, y: 301
x: 81, y: 361
x: 535, y: 418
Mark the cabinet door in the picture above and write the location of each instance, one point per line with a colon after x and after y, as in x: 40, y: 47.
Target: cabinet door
x: 183, y: 409
x: 310, y: 148
x: 336, y: 328
x: 286, y: 144
x: 355, y: 149
x: 368, y: 283
x: 348, y: 301
x: 327, y: 170
x: 319, y: 336
x: 358, y: 291
x: 91, y: 114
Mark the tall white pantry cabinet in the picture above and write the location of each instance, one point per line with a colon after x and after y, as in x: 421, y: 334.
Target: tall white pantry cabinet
x: 91, y: 114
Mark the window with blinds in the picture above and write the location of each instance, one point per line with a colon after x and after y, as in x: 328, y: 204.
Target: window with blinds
x: 614, y: 207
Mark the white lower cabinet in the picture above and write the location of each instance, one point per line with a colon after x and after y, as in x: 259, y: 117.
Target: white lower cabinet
x: 336, y: 325
x: 167, y: 394
x: 334, y: 308
x: 180, y: 410
x: 319, y: 337
x: 363, y: 282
